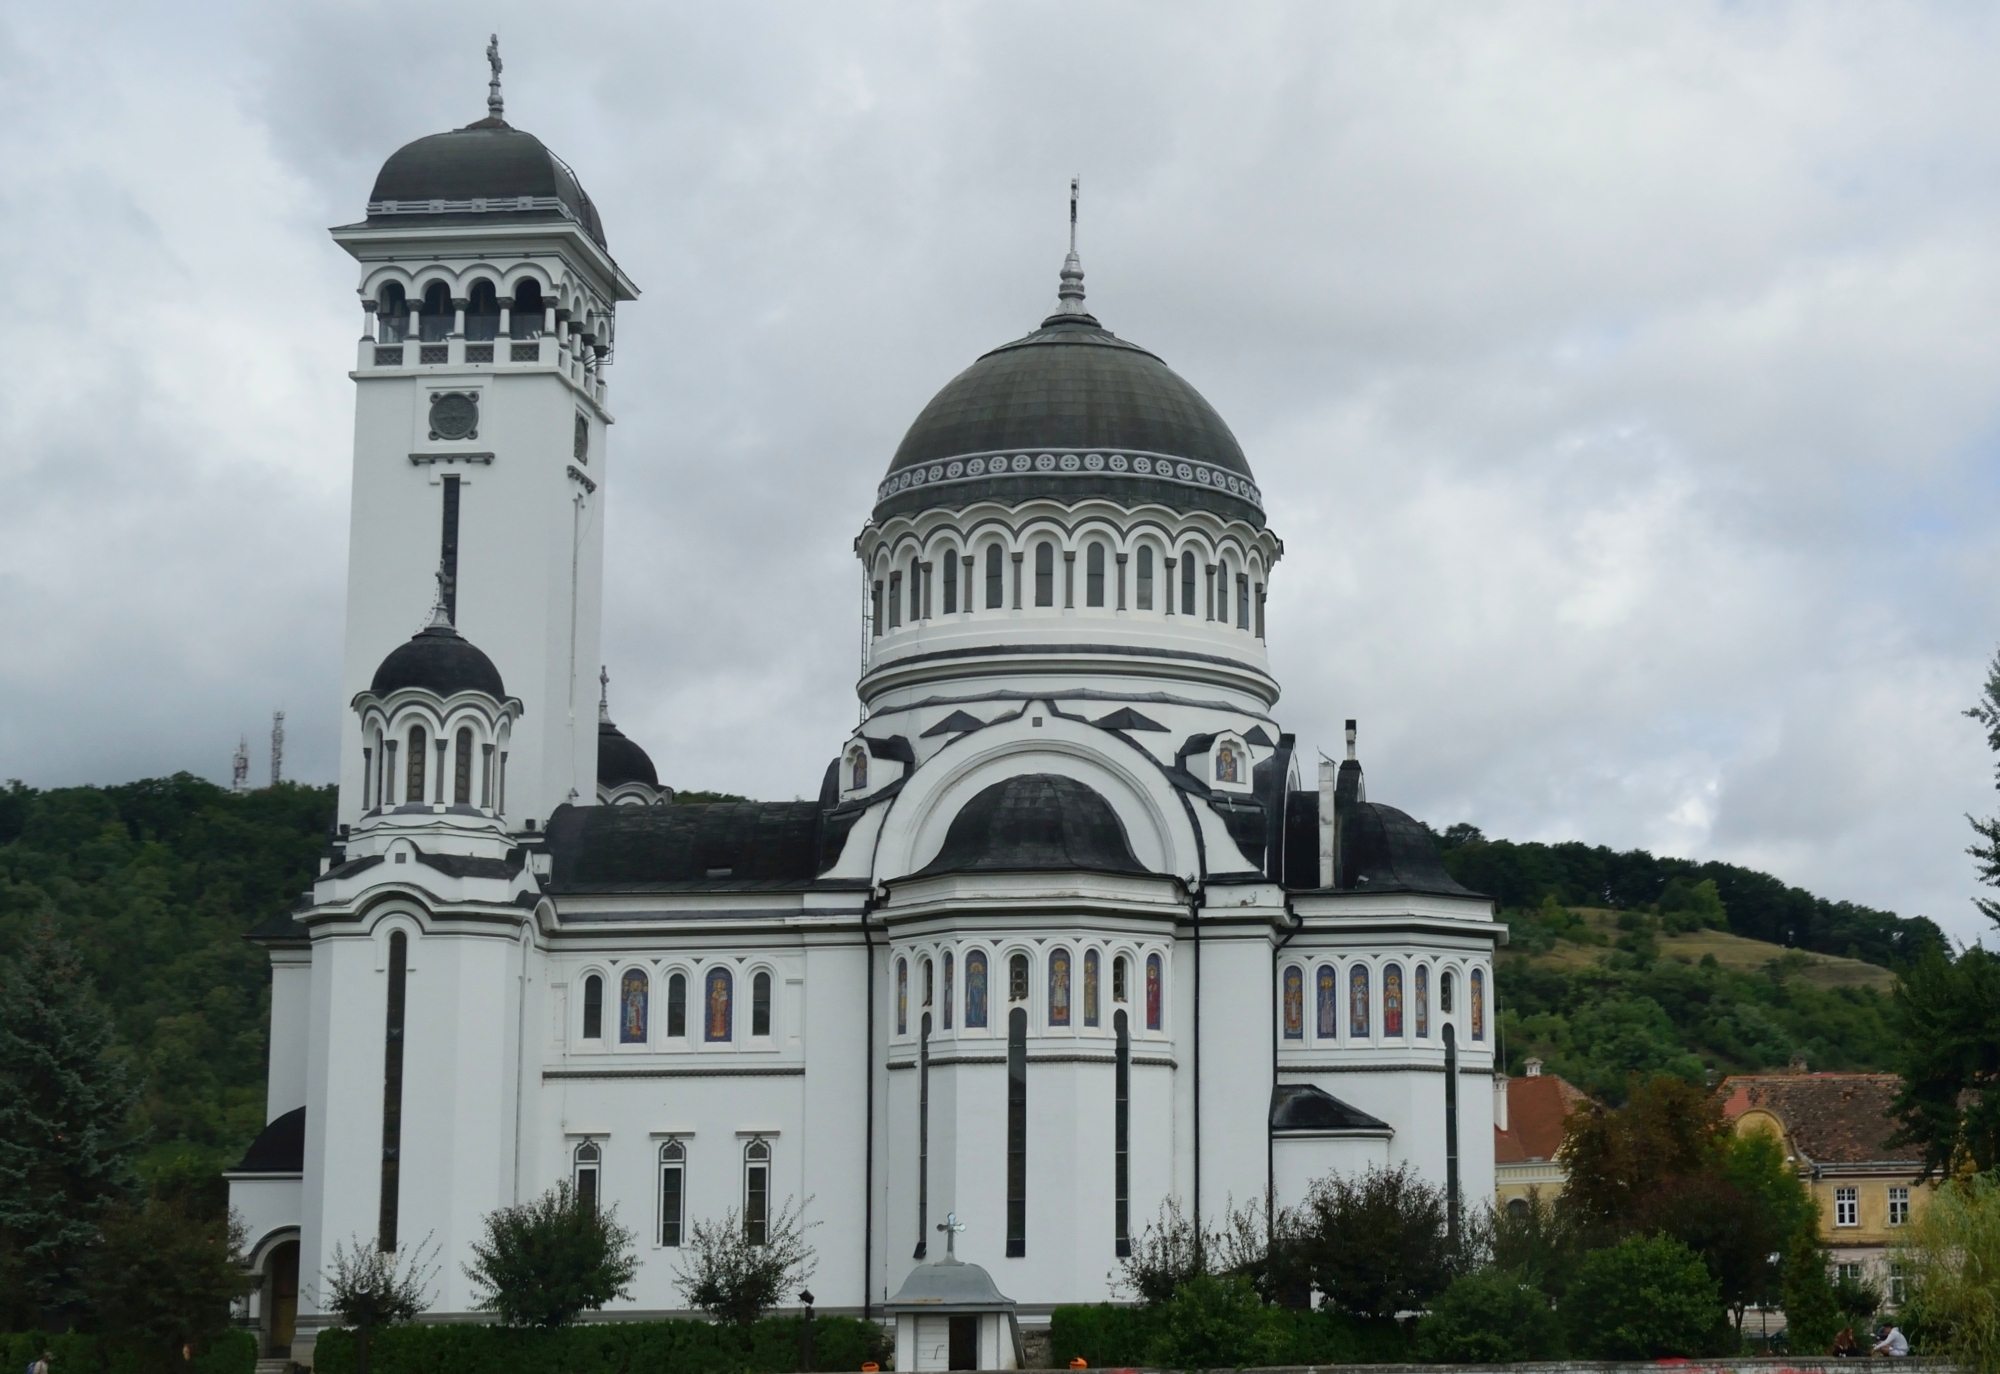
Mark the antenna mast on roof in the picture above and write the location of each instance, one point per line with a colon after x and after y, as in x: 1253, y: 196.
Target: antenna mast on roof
x: 277, y: 747
x: 495, y: 106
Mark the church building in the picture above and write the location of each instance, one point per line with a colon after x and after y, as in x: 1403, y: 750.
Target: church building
x: 1068, y: 929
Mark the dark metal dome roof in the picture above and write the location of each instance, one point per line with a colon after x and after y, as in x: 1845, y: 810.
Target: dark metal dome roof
x: 438, y: 659
x: 488, y: 168
x: 1071, y: 410
x: 620, y: 761
x: 1035, y: 821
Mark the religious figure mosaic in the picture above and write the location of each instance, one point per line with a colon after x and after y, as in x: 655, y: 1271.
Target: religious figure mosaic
x: 1295, y: 1002
x: 902, y: 997
x: 1152, y: 992
x: 1357, y: 1001
x: 1423, y: 1001
x: 975, y: 990
x: 715, y: 1023
x: 1090, y: 967
x: 947, y: 989
x: 632, y: 1007
x: 1478, y: 1004
x: 1225, y: 763
x: 1328, y: 997
x: 1059, y: 987
x: 1392, y: 999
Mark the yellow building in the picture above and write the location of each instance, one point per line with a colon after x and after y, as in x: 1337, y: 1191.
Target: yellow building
x: 1528, y: 1116
x: 1833, y: 1126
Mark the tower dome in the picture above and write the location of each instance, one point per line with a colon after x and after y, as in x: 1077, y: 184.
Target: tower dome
x: 438, y: 659
x: 1070, y: 410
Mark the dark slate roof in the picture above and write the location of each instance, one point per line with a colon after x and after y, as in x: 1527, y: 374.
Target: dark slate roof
x: 280, y: 1148
x: 439, y: 659
x: 620, y: 761
x: 1095, y: 405
x: 1125, y: 718
x: 1035, y: 822
x: 1303, y: 1107
x: 957, y: 723
x: 1385, y: 850
x: 457, y: 177
x: 469, y: 866
x: 707, y: 846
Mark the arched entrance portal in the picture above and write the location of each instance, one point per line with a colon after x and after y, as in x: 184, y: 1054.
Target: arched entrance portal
x: 280, y: 1305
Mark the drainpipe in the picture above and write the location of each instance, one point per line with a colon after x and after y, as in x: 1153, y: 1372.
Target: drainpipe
x: 1277, y: 1030
x: 1196, y: 901
x: 868, y: 1170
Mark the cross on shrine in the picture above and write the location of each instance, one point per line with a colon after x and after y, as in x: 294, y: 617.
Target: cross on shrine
x: 951, y: 1226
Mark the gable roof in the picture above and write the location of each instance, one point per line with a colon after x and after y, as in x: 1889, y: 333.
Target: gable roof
x: 1830, y: 1118
x: 1536, y: 1109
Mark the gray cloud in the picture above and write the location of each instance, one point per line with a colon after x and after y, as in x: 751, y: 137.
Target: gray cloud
x: 1621, y: 379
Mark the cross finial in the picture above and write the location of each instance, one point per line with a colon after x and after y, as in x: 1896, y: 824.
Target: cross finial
x: 1073, y: 185
x: 603, y: 693
x: 441, y: 608
x: 495, y: 106
x: 1069, y: 296
x: 951, y: 1226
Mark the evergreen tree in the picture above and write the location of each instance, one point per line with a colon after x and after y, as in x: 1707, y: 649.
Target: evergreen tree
x: 66, y: 1146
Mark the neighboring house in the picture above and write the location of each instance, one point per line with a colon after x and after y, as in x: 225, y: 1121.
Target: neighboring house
x: 1528, y: 1115
x: 1834, y: 1126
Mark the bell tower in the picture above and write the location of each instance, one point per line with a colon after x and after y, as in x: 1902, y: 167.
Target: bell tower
x: 489, y: 304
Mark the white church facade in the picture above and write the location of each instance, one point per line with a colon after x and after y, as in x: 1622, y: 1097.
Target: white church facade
x: 1066, y: 932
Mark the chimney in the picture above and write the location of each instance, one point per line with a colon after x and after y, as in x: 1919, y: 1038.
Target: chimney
x: 1326, y: 767
x: 1500, y: 1101
x: 1533, y: 1068
x: 1798, y: 1064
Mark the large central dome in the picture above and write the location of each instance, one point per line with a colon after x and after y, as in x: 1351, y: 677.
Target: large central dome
x: 1070, y: 411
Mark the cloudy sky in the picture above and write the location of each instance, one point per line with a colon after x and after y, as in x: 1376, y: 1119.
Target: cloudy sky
x: 1622, y: 379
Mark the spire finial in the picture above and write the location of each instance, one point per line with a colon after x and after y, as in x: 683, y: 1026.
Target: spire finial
x: 441, y: 607
x: 603, y: 695
x: 1069, y: 296
x: 495, y: 106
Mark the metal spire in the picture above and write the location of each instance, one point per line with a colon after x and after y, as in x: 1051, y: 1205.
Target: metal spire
x: 441, y: 608
x: 495, y: 106
x: 1069, y: 295
x: 603, y: 695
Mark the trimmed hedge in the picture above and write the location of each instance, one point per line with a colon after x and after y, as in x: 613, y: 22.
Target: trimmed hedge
x: 606, y: 1347
x: 1123, y: 1337
x: 234, y: 1353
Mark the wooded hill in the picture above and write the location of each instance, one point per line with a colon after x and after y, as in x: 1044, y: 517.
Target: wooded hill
x: 156, y: 881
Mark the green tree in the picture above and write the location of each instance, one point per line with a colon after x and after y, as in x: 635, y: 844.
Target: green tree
x: 1948, y: 1014
x: 548, y: 1260
x: 163, y: 1277
x: 736, y: 1278
x: 66, y: 1143
x: 1986, y: 849
x: 1812, y: 1306
x: 1618, y: 1160
x: 1375, y: 1244
x: 1491, y: 1316
x: 1952, y: 1258
x: 369, y: 1287
x: 1645, y: 1298
x: 1537, y: 1241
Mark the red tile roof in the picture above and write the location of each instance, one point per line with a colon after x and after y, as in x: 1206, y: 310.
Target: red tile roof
x: 1832, y: 1118
x: 1536, y: 1108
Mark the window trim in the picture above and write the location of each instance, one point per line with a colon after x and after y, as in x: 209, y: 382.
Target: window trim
x: 671, y: 1157
x: 1846, y: 1207
x: 590, y: 1165
x: 757, y: 1209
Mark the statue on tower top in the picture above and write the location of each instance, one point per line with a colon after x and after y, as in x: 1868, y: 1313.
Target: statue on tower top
x: 495, y: 106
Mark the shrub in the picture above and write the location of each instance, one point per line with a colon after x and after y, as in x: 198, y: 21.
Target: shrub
x: 1953, y: 1258
x: 1113, y: 1337
x: 544, y: 1262
x: 770, y: 1346
x: 232, y: 1352
x: 1645, y: 1298
x: 163, y: 1277
x: 1210, y: 1323
x: 1374, y: 1244
x: 1493, y: 1316
x: 736, y: 1278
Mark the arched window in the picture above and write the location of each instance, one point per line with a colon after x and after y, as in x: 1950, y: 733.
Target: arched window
x: 858, y: 769
x: 1121, y: 1138
x: 677, y: 1006
x: 902, y: 997
x: 930, y: 983
x: 482, y: 312
x: 528, y: 306
x: 1517, y: 1207
x: 461, y: 773
x: 947, y: 989
x: 584, y: 1166
x: 1359, y: 1018
x: 673, y: 1191
x: 593, y: 1008
x: 1152, y: 992
x: 951, y: 583
x: 717, y: 1014
x: 1119, y: 979
x: 760, y: 1003
x: 391, y: 311
x: 1143, y: 579
x: 1478, y: 981
x: 1017, y: 1132
x: 916, y: 590
x: 1093, y: 574
x: 1327, y: 995
x: 1059, y: 989
x: 975, y: 990
x: 1242, y: 601
x: 1017, y: 978
x: 1295, y: 1002
x: 1423, y: 1018
x: 438, y: 314
x: 996, y: 561
x: 632, y: 997
x: 413, y: 784
x: 1090, y: 975
x: 1392, y: 999
x: 875, y: 621
x: 1045, y: 574
x: 1444, y: 992
x: 757, y: 1192
x: 1187, y: 583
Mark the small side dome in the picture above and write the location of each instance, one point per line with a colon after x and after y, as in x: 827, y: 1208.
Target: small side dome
x: 620, y: 761
x: 438, y: 659
x: 1036, y: 821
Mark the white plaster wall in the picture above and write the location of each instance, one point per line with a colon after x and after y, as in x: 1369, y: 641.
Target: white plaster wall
x: 291, y: 1030
x: 265, y: 1206
x: 1299, y: 1162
